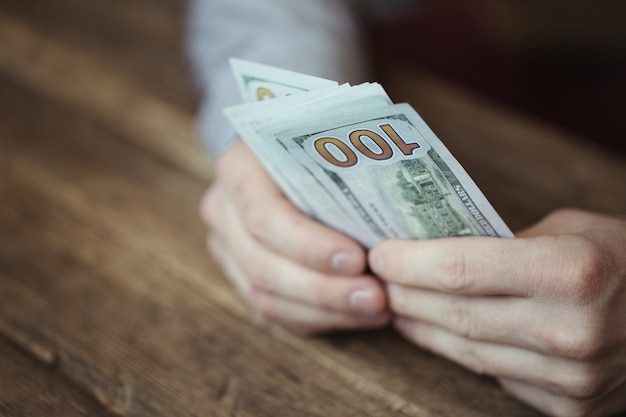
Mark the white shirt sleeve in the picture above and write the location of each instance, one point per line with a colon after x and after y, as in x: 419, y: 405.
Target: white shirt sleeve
x: 316, y: 37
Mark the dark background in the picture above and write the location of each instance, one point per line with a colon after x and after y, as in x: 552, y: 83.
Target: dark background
x: 560, y: 61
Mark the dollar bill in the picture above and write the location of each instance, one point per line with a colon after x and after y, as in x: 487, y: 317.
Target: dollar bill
x: 392, y: 174
x: 304, y: 190
x: 258, y: 82
x: 350, y: 158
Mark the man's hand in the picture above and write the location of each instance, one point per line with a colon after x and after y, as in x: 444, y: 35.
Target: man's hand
x: 289, y: 268
x: 544, y: 313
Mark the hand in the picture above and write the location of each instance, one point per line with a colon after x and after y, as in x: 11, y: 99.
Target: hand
x: 289, y: 268
x: 544, y: 313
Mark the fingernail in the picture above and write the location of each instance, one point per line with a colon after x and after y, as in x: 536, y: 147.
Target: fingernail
x: 347, y: 263
x: 364, y: 300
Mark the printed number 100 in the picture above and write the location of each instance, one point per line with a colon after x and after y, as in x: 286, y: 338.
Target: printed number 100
x: 343, y: 156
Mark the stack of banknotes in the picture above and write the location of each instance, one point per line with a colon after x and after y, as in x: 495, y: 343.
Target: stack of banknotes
x: 352, y: 159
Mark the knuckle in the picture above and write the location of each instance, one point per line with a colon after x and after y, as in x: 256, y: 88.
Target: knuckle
x: 582, y: 381
x: 586, y: 382
x: 578, y: 342
x: 398, y: 299
x: 257, y: 272
x: 586, y: 276
x: 471, y: 359
x: 254, y: 219
x: 258, y: 278
x: 458, y: 317
x: 264, y: 306
x: 454, y: 274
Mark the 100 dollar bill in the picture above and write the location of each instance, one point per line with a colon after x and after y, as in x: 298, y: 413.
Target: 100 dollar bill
x: 351, y: 159
x: 392, y: 174
x: 258, y: 82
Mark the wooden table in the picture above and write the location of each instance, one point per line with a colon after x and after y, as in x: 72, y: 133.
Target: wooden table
x: 109, y: 305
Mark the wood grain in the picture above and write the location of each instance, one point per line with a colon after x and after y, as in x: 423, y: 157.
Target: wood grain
x: 109, y: 304
x: 80, y: 79
x: 37, y: 390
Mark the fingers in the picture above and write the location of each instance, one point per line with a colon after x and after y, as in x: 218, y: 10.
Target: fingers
x: 495, y: 319
x: 269, y: 272
x: 297, y: 316
x: 308, y: 319
x: 564, y: 406
x: 552, y: 266
x: 276, y: 224
x: 580, y: 380
x: 289, y: 268
x: 455, y: 265
x: 545, y: 401
x: 570, y: 332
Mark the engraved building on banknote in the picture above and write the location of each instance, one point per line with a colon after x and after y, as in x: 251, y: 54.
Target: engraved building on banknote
x: 428, y: 200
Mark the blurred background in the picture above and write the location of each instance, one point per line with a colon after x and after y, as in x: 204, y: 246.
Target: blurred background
x: 562, y: 61
x: 139, y: 40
